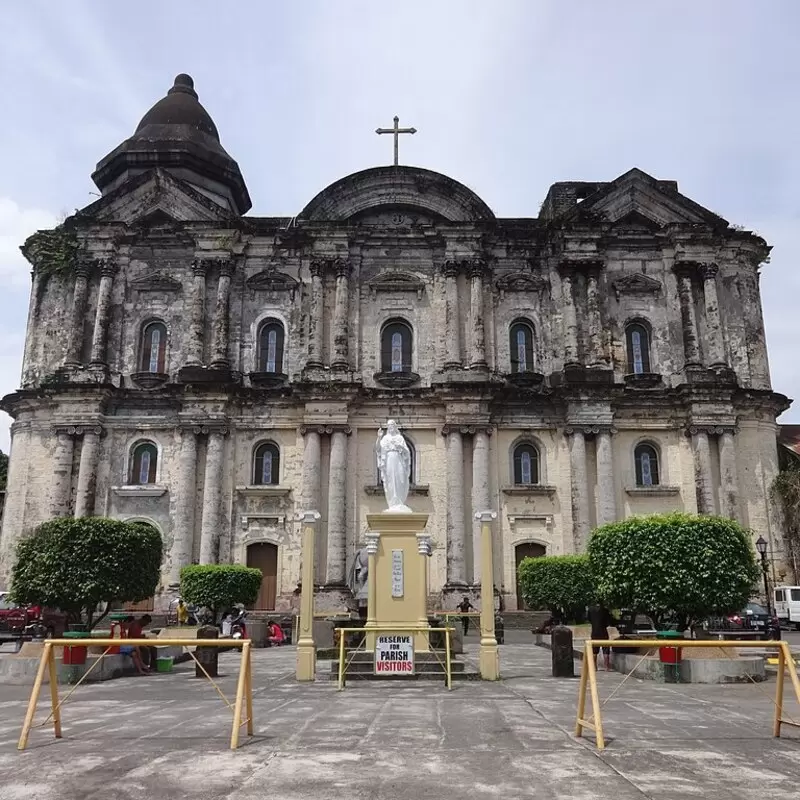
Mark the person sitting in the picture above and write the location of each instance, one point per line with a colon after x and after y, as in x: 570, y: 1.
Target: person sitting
x: 275, y: 636
x: 136, y: 631
x: 131, y: 650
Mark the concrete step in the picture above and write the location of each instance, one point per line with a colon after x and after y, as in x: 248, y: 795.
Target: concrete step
x: 525, y: 620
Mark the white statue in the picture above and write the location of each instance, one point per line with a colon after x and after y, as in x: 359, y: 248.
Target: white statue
x: 394, y: 465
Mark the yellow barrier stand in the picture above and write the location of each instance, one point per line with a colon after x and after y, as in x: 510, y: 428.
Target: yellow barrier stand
x: 589, y: 677
x: 448, y: 676
x: 244, y: 688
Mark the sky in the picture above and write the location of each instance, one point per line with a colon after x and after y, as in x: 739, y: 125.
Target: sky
x: 507, y: 96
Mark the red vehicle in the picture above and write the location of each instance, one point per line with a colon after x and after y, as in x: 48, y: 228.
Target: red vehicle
x: 14, y: 619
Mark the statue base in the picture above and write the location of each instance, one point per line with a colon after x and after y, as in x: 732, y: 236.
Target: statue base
x: 398, y: 577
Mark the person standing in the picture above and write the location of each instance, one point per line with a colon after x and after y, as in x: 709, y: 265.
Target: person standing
x: 464, y: 606
x: 601, y: 619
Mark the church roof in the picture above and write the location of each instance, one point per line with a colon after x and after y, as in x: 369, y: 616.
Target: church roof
x: 177, y: 134
x: 180, y: 107
x: 397, y: 187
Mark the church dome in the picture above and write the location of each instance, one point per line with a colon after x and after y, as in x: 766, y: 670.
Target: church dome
x: 178, y: 135
x: 180, y: 107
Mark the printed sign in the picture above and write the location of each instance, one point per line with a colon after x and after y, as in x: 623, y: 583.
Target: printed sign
x: 394, y: 655
x: 397, y: 573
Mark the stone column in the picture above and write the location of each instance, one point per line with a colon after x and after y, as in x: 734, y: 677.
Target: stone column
x: 195, y: 335
x: 220, y: 341
x: 311, y: 467
x: 702, y: 471
x: 61, y: 487
x: 594, y: 321
x: 570, y: 320
x: 456, y: 567
x: 103, y: 314
x: 185, y: 494
x: 87, y: 472
x: 478, y: 355
x: 31, y: 330
x: 606, y: 491
x: 691, y: 344
x: 452, y: 322
x: 728, y: 474
x: 480, y: 495
x: 341, y: 360
x: 336, y: 571
x: 77, y: 314
x: 580, y: 489
x: 315, y: 316
x: 716, y: 342
x: 212, y: 498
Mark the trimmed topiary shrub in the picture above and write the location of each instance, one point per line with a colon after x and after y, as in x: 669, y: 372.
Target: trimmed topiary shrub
x: 77, y: 564
x: 220, y: 586
x: 562, y: 584
x: 678, y: 566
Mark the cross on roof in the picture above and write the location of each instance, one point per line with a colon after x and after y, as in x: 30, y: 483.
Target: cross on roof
x: 397, y: 130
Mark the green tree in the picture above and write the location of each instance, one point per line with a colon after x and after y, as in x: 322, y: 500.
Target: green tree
x: 78, y: 564
x: 220, y: 586
x: 785, y: 490
x: 562, y: 584
x: 677, y: 566
x: 3, y: 470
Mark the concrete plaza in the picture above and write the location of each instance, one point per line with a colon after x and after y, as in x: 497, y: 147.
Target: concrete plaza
x: 166, y: 736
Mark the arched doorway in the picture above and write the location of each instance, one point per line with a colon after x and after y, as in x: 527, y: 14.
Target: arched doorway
x: 264, y: 556
x: 525, y: 550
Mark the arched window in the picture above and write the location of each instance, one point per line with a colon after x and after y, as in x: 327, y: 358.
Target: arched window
x: 270, y: 347
x: 144, y: 461
x: 521, y: 347
x: 638, y: 340
x: 266, y: 465
x: 412, y: 469
x: 396, y: 347
x: 645, y: 458
x: 154, y: 347
x: 526, y: 464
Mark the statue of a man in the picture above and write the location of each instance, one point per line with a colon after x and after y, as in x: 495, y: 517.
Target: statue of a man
x: 394, y: 465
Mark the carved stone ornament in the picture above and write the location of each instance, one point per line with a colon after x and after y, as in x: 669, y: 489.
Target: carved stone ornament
x: 325, y: 430
x: 636, y: 283
x: 521, y: 282
x: 711, y: 430
x: 589, y: 430
x: 467, y: 429
x: 157, y: 282
x: 271, y: 280
x: 391, y: 282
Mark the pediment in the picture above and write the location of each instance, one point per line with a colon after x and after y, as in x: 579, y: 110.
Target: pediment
x: 521, y: 282
x: 637, y: 284
x: 272, y: 280
x: 156, y: 282
x: 642, y: 199
x: 389, y: 282
x: 155, y: 197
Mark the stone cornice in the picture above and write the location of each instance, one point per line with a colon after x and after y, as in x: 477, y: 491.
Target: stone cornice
x: 325, y: 430
x: 77, y: 429
x: 204, y: 428
x: 467, y: 429
x: 589, y: 430
x: 711, y: 430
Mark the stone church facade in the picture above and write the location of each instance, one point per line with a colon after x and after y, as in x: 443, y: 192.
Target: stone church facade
x: 214, y: 374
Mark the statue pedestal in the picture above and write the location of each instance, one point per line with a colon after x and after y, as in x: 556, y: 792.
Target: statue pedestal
x: 398, y: 576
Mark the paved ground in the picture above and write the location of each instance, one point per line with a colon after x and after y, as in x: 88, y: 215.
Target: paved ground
x: 165, y: 736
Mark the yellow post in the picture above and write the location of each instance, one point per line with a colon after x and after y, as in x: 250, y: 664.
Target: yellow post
x: 597, y: 721
x: 448, y: 664
x: 306, y: 650
x: 489, y: 657
x: 776, y: 730
x: 587, y: 654
x: 32, y: 703
x: 51, y: 663
x: 787, y: 654
x: 249, y: 691
x: 240, y: 693
x: 373, y: 542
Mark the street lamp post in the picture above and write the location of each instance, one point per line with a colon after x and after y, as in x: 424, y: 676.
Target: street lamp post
x: 761, y: 547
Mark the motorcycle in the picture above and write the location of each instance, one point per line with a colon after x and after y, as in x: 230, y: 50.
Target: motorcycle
x: 234, y: 624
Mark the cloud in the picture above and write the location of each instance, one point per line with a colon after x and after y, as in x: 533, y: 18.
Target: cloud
x: 16, y: 225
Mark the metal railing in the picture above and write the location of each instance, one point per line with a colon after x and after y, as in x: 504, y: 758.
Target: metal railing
x: 383, y: 629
